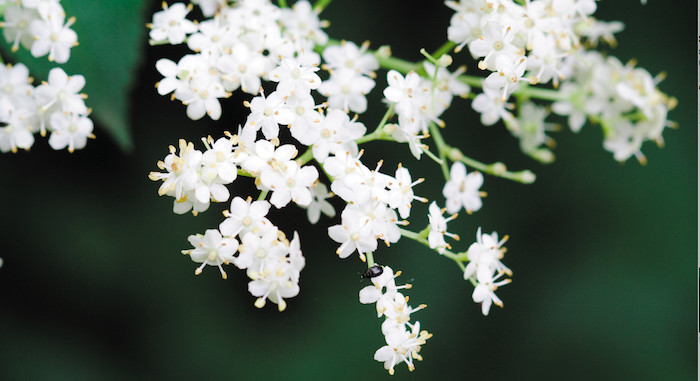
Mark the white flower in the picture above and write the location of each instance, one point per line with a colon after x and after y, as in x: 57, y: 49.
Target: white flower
x: 355, y: 233
x: 214, y: 37
x: 290, y: 183
x: 244, y: 216
x: 17, y: 132
x: 295, y: 77
x: 258, y: 251
x: 267, y: 113
x: 211, y: 249
x: 209, y: 7
x: 507, y: 76
x: 438, y: 228
x: 62, y: 93
x: 484, y: 292
x: 15, y: 84
x: 218, y: 161
x: 175, y: 75
x: 495, y: 40
x: 348, y: 56
x: 492, y: 106
x: 242, y: 67
x: 401, y: 191
x: 275, y: 283
x: 15, y: 27
x: 301, y: 23
x: 320, y: 194
x: 190, y: 201
x: 464, y: 28
x: 462, y: 190
x: 335, y: 133
x: 346, y: 90
x: 202, y: 98
x: 402, y: 91
x: 402, y: 346
x: 54, y: 38
x: 69, y: 130
x: 170, y: 24
x: 182, y: 171
x: 486, y: 253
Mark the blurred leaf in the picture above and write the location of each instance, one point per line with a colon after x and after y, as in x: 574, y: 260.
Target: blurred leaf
x: 110, y: 34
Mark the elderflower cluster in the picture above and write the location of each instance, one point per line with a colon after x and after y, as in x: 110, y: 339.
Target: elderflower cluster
x: 39, y: 26
x: 542, y: 41
x: 271, y: 261
x: 56, y: 105
x: 373, y: 199
x: 237, y: 47
x: 485, y: 269
x: 275, y: 55
x: 403, y: 338
x: 419, y: 101
x: 624, y: 99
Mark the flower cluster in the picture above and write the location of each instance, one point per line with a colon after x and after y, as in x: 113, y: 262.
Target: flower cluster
x: 420, y: 101
x: 485, y: 269
x: 403, y: 339
x: 271, y: 261
x: 236, y: 48
x: 373, y: 199
x: 275, y: 55
x: 542, y: 41
x: 39, y: 26
x: 624, y: 99
x: 56, y: 106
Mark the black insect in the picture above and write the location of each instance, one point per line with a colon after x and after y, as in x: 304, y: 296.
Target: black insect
x: 373, y: 271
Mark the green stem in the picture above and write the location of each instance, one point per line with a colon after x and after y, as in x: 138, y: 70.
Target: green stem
x: 262, y: 195
x: 321, y: 5
x: 539, y: 93
x: 496, y: 169
x: 397, y: 64
x: 442, y: 147
x: 418, y: 238
x: 306, y: 157
x: 282, y: 3
x: 444, y: 49
x: 370, y: 259
x: 378, y: 133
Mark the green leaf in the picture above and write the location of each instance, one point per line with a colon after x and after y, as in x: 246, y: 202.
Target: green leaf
x: 111, y: 35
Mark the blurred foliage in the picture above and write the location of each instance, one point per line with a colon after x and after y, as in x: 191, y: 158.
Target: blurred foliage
x: 111, y: 40
x: 603, y: 254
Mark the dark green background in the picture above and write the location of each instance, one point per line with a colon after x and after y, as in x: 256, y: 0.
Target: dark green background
x: 603, y: 254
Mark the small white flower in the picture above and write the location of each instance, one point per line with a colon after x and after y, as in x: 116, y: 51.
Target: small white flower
x: 318, y: 204
x: 295, y: 77
x: 54, y: 38
x: 438, y: 228
x: 401, y: 191
x: 62, y: 92
x: 69, y: 130
x: 402, y: 346
x: 290, y: 183
x: 484, y: 292
x: 348, y: 56
x: 182, y: 171
x: 170, y: 24
x: 244, y: 216
x: 355, y: 233
x: 462, y: 190
x: 211, y: 249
